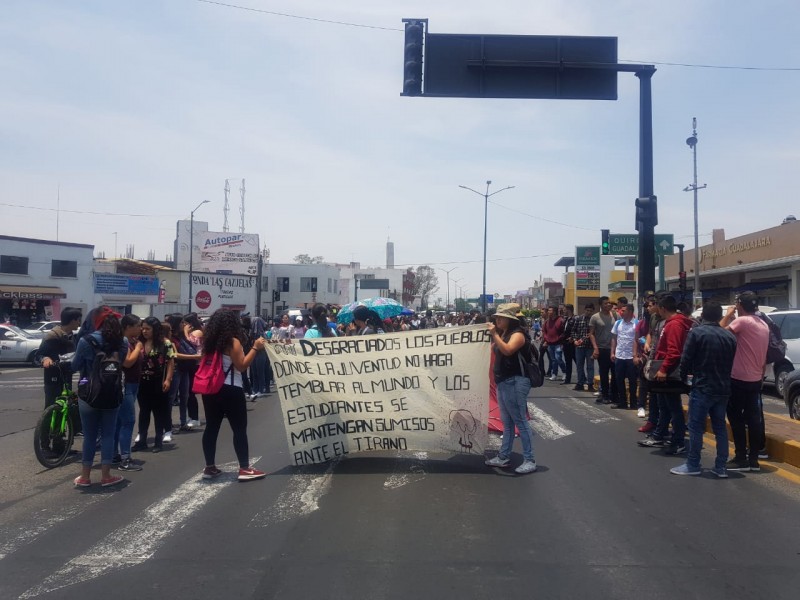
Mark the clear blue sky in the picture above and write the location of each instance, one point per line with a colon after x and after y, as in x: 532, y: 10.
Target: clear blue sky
x: 146, y: 106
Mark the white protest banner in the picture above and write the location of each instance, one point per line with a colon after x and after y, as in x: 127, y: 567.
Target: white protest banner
x: 424, y: 390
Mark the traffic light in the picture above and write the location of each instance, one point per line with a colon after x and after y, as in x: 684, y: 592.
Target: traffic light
x: 682, y: 281
x: 412, y: 66
x: 605, y: 248
x: 276, y: 295
x: 646, y: 212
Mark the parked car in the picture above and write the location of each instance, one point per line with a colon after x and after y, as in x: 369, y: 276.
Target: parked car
x: 39, y: 328
x: 791, y: 394
x: 789, y: 322
x: 18, y: 346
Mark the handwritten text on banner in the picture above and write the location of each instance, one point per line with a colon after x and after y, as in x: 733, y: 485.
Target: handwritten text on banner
x: 424, y: 390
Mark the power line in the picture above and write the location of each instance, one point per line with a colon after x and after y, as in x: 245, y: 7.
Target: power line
x: 83, y: 212
x: 363, y: 26
x: 290, y: 16
x: 542, y: 218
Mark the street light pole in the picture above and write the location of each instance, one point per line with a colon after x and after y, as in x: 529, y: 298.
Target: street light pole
x: 448, y: 284
x: 191, y: 249
x: 691, y: 141
x: 486, y: 197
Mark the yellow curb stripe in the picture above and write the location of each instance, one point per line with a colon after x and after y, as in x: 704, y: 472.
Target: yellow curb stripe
x: 710, y: 440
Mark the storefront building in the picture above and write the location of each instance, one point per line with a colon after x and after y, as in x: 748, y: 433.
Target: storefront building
x: 766, y: 262
x: 39, y: 278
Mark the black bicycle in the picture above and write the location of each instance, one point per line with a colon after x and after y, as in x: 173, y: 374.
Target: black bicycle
x: 55, y: 431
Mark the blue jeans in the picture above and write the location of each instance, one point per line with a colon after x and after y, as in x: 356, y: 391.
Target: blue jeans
x: 512, y: 398
x: 585, y: 364
x: 701, y: 405
x: 94, y: 420
x: 258, y: 373
x: 126, y: 420
x: 179, y: 391
x: 556, y: 355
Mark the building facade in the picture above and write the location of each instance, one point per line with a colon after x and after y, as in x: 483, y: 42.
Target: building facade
x: 39, y: 278
x: 766, y: 262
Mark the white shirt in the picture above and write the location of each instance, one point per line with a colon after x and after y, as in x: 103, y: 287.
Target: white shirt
x: 626, y: 335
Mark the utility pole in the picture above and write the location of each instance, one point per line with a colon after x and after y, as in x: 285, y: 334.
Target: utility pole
x: 691, y: 141
x: 448, y: 285
x: 226, y: 208
x: 241, y: 207
x: 191, y: 249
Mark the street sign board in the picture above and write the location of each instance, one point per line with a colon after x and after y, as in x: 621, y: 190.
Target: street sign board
x: 628, y: 243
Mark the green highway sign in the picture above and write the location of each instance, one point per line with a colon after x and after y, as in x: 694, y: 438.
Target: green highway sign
x: 628, y: 243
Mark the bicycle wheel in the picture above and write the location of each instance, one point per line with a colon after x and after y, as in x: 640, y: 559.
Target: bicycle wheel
x: 51, y: 441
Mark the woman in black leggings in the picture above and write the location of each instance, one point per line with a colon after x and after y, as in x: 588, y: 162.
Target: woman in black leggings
x: 223, y: 334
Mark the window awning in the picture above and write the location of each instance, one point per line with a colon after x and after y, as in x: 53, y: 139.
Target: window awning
x: 757, y: 286
x: 30, y: 292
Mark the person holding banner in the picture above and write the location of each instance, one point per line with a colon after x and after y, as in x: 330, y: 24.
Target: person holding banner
x: 508, y: 341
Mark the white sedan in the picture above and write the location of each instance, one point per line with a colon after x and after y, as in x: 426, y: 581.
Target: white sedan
x: 18, y: 346
x: 39, y: 328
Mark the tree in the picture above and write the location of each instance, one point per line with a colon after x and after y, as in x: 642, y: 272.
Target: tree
x: 305, y: 259
x: 425, y: 283
x: 462, y: 305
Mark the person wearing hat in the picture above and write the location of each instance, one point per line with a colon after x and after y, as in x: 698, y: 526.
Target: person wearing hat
x: 508, y: 340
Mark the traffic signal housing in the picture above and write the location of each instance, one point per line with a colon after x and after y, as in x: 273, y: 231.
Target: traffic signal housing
x: 412, y: 65
x: 682, y: 281
x: 605, y: 247
x: 276, y: 296
x: 646, y: 212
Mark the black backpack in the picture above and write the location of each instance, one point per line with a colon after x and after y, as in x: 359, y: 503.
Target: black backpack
x: 104, y: 388
x: 776, y: 350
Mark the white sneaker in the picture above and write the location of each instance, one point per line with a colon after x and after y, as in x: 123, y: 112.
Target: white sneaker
x: 596, y: 394
x: 553, y: 377
x: 167, y: 437
x: 497, y: 462
x: 196, y: 423
x: 136, y: 441
x: 529, y: 466
x: 640, y: 413
x: 189, y: 424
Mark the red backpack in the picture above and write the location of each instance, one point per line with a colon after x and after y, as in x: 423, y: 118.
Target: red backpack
x: 210, y: 376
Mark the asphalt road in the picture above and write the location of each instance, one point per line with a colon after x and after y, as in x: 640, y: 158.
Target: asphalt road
x: 601, y: 518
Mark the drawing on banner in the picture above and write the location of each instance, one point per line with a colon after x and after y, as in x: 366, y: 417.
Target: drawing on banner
x: 464, y: 425
x: 408, y: 391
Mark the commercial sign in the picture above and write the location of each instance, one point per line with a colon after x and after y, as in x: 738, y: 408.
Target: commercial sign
x: 114, y: 284
x: 213, y: 291
x: 230, y: 253
x: 628, y: 243
x: 587, y: 268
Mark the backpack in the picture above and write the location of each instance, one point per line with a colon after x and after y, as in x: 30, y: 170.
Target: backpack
x: 186, y: 347
x: 210, y: 376
x: 531, y: 366
x: 776, y: 350
x: 104, y: 388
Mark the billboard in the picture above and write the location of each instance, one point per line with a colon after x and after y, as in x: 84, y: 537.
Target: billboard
x: 221, y: 252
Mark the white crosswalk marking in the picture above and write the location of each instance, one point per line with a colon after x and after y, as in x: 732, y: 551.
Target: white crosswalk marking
x: 582, y: 409
x: 416, y: 472
x: 12, y: 539
x: 546, y: 426
x: 138, y: 541
x: 301, y: 497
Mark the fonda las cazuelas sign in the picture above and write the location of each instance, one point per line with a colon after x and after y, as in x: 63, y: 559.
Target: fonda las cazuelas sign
x: 231, y: 253
x: 396, y: 392
x: 212, y: 291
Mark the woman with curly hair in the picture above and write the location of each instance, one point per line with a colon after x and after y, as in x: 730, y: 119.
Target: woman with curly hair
x: 224, y: 334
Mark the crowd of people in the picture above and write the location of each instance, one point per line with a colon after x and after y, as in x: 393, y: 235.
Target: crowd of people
x: 644, y: 364
x: 647, y: 364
